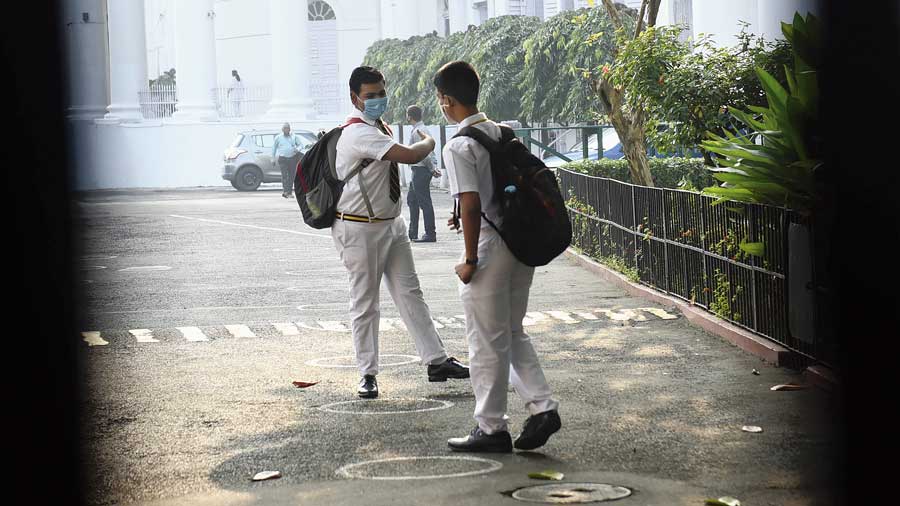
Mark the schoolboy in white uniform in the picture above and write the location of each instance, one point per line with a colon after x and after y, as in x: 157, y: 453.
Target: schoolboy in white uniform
x: 372, y: 239
x: 493, y: 285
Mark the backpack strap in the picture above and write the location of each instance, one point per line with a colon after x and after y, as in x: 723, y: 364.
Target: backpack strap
x: 360, y: 165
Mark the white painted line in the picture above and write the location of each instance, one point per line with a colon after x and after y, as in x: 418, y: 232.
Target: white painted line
x: 98, y: 257
x: 143, y: 335
x: 240, y: 331
x: 493, y: 465
x: 451, y: 322
x: 438, y: 325
x: 365, y: 402
x: 287, y: 329
x: 533, y: 318
x: 586, y: 316
x: 148, y: 268
x: 331, y: 326
x: 93, y: 339
x: 93, y: 267
x: 251, y: 226
x: 562, y: 316
x: 391, y: 324
x: 622, y: 315
x: 193, y: 334
x: 659, y: 313
x: 407, y: 359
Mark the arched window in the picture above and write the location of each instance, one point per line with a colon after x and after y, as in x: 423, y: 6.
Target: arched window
x: 320, y: 11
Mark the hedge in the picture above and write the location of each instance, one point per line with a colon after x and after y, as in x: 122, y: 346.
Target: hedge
x: 674, y: 172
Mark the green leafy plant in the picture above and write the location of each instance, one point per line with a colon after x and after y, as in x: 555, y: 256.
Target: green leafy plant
x: 674, y: 172
x: 775, y: 163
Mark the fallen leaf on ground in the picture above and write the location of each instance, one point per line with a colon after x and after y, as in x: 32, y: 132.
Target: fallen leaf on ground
x: 751, y: 428
x: 788, y: 386
x: 723, y: 501
x: 546, y: 475
x: 303, y: 384
x: 266, y: 475
x: 755, y: 372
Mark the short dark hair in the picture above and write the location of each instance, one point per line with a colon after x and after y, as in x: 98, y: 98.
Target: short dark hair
x: 459, y: 80
x: 364, y: 75
x: 414, y: 112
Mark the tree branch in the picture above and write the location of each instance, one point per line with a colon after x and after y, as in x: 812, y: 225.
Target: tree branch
x: 640, y: 19
x: 613, y: 13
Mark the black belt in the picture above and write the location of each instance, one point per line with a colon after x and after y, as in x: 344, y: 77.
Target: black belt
x: 360, y: 219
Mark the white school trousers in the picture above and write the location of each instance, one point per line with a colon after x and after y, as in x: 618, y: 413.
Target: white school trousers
x: 370, y: 252
x: 500, y: 351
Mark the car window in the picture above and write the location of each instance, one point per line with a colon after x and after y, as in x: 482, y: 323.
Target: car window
x: 237, y: 141
x: 268, y: 141
x: 305, y: 140
x: 257, y: 140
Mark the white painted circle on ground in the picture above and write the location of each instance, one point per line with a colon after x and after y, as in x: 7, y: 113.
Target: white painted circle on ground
x: 93, y: 267
x: 146, y: 268
x: 377, y: 404
x: 318, y: 362
x: 353, y: 470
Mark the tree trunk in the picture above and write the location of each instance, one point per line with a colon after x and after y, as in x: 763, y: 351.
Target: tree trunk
x: 630, y: 128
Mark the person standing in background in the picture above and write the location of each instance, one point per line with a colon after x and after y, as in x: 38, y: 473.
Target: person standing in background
x: 236, y: 93
x: 284, y: 149
x: 419, y: 196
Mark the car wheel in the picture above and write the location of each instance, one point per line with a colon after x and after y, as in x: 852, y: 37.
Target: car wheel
x: 247, y: 179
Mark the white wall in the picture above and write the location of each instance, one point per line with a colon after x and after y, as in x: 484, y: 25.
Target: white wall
x: 243, y: 42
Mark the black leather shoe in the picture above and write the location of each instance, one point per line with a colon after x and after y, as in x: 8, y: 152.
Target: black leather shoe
x: 426, y: 238
x: 368, y: 387
x: 538, y: 429
x: 451, y: 368
x: 478, y: 441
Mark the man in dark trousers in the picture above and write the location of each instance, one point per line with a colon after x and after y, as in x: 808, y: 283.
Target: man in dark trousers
x: 419, y: 196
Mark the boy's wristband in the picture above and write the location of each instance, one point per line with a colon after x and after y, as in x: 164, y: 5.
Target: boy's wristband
x: 472, y: 261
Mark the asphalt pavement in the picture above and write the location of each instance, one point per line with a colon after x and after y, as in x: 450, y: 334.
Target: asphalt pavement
x: 202, y: 306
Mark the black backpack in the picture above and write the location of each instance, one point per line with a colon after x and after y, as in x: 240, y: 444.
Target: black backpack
x: 316, y: 184
x: 536, y: 226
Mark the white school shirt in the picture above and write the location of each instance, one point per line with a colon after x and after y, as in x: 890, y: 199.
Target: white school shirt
x: 360, y: 141
x: 468, y: 166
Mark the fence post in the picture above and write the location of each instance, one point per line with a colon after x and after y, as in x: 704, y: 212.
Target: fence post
x: 634, y: 233
x: 584, y: 144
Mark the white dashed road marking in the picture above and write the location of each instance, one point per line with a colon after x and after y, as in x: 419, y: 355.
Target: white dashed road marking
x: 143, y: 335
x: 193, y: 334
x: 532, y: 318
x: 240, y: 331
x: 287, y: 329
x: 93, y: 339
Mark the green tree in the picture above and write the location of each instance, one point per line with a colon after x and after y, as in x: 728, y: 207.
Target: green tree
x: 691, y: 86
x: 554, y: 81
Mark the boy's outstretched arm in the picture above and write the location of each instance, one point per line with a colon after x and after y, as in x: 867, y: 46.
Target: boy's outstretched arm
x: 470, y: 215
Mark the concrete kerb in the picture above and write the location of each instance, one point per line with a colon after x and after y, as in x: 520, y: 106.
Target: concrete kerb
x: 753, y: 344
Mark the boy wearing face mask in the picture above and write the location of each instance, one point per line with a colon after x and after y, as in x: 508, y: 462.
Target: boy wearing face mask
x: 493, y: 284
x: 371, y: 236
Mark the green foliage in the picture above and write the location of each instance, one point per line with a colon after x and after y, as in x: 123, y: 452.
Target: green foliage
x: 166, y: 78
x: 781, y: 170
x: 409, y: 66
x: 721, y: 302
x: 692, y: 85
x: 675, y: 173
x: 559, y: 62
x: 581, y: 224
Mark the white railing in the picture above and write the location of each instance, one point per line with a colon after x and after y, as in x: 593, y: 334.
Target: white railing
x: 243, y: 102
x: 159, y: 101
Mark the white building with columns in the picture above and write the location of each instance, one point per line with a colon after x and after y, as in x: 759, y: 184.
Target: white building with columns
x: 294, y: 57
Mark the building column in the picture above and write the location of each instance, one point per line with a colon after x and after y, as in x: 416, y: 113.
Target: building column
x: 127, y: 60
x: 288, y: 24
x: 773, y: 12
x: 195, y: 60
x: 85, y: 41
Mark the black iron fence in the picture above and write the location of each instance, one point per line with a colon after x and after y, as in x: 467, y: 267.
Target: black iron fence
x: 679, y: 243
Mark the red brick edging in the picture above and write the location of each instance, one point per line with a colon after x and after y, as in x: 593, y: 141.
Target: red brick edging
x: 761, y: 347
